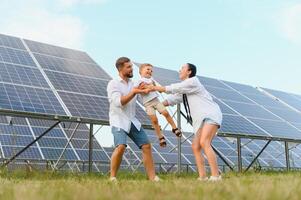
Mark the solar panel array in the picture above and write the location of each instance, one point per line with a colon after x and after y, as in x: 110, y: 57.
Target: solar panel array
x: 42, y: 78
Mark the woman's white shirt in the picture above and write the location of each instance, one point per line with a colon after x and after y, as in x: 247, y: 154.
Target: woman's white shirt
x: 199, y: 99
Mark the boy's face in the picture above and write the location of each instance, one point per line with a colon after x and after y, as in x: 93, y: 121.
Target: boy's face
x: 147, y: 72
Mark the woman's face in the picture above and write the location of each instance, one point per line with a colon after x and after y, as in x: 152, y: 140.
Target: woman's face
x: 184, y: 72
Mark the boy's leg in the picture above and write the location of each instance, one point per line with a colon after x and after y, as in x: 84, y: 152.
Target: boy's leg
x: 156, y: 125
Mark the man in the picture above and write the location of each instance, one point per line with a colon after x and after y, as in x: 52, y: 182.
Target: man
x: 122, y: 98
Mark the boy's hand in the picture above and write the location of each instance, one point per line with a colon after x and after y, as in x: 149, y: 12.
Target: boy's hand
x: 142, y: 86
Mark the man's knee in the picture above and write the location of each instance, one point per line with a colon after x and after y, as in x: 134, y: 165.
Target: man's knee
x: 146, y: 147
x: 120, y: 149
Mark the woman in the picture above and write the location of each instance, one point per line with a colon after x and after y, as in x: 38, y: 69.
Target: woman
x: 204, y: 114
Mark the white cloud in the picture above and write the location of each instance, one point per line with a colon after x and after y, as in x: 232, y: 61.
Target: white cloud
x: 291, y: 23
x: 39, y: 20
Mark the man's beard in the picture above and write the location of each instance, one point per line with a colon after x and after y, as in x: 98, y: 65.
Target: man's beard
x: 129, y: 75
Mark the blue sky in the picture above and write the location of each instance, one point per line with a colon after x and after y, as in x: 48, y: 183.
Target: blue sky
x: 257, y: 42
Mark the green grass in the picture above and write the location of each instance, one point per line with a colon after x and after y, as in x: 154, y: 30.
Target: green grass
x: 49, y: 185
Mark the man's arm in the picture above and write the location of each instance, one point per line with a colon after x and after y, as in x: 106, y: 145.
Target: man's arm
x: 136, y: 90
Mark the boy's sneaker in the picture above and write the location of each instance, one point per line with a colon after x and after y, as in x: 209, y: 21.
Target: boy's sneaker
x: 215, y: 178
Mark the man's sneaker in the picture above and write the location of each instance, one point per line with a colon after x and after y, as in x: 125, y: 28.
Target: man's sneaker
x: 215, y: 178
x: 156, y: 179
x: 202, y: 179
x: 113, y: 179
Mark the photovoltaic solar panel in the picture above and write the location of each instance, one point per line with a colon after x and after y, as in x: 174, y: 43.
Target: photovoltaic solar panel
x: 291, y: 99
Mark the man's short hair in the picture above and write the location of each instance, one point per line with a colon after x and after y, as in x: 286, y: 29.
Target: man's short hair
x: 192, y: 68
x: 120, y: 62
x: 142, y: 66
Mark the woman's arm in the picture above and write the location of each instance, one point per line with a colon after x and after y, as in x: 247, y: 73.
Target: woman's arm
x: 185, y: 87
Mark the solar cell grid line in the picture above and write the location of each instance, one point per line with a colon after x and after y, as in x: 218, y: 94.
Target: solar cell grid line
x: 70, y: 66
x: 63, y: 52
x: 25, y: 98
x: 14, y: 56
x: 10, y: 41
x: 290, y: 100
x: 66, y: 82
x: 17, y: 74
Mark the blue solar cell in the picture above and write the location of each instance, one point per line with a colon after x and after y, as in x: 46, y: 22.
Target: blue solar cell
x: 288, y: 115
x: 70, y: 66
x: 29, y: 99
x: 225, y: 109
x: 97, y: 155
x: 17, y: 130
x: 53, y: 133
x: 10, y: 41
x: 227, y: 94
x: 212, y: 82
x: 291, y: 99
x: 265, y: 100
x: 161, y: 74
x: 251, y: 110
x: 30, y: 153
x: 17, y: 74
x: 58, y: 51
x: 246, y: 89
x: 239, y: 125
x: 298, y: 125
x: 15, y: 57
x: 68, y: 82
x: 15, y: 140
x: 278, y: 128
x: 86, y: 106
x: 53, y: 154
x: 53, y: 142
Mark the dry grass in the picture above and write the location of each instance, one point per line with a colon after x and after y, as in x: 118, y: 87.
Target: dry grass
x: 48, y: 185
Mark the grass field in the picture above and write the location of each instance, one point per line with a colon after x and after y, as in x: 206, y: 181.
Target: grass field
x: 49, y: 185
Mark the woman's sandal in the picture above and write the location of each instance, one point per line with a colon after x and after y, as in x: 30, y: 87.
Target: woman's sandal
x: 177, y: 132
x: 162, y: 141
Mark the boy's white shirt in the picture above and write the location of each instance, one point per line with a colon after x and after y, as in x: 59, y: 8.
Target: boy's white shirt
x: 146, y: 97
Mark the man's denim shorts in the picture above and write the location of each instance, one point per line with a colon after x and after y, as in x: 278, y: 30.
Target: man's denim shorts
x: 120, y: 136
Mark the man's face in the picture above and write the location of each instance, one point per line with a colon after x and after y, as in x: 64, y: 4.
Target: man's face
x: 127, y: 70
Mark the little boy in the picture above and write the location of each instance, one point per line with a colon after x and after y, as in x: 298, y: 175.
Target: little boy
x: 151, y: 103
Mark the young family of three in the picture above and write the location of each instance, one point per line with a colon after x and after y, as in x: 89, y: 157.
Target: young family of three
x: 202, y: 112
